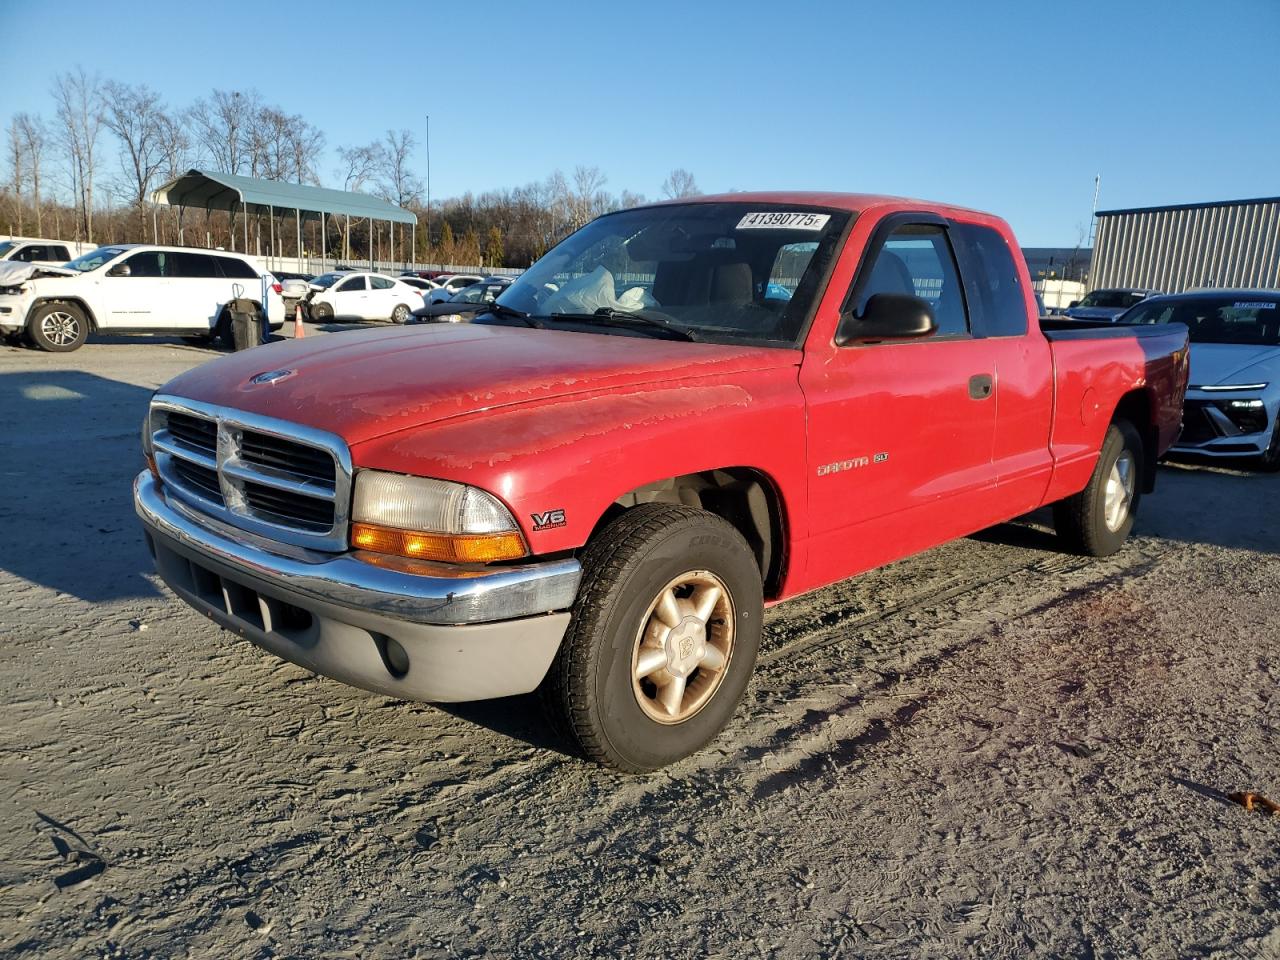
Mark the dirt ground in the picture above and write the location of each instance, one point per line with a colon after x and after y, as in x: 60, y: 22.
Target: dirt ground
x: 994, y: 749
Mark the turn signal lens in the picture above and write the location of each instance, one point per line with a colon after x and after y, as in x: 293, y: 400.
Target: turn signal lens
x: 446, y: 547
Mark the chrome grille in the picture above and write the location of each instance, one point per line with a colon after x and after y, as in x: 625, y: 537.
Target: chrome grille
x: 278, y: 479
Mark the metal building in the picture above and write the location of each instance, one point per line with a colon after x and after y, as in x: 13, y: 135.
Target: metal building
x: 1233, y: 243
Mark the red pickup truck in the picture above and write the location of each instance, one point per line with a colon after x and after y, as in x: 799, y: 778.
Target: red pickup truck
x: 680, y: 414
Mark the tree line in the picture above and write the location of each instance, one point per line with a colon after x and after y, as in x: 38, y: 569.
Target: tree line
x: 66, y: 183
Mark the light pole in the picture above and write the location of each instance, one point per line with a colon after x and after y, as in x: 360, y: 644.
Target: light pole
x: 428, y: 183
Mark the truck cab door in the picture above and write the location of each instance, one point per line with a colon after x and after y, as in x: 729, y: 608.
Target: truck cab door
x: 900, y: 432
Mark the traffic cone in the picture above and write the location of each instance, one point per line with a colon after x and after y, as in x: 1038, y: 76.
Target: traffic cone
x: 299, y: 330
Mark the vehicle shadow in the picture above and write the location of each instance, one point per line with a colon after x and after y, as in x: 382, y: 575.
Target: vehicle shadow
x: 520, y: 718
x: 1219, y: 503
x: 67, y: 461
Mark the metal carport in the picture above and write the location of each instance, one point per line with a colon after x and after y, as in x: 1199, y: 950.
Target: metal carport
x: 250, y: 195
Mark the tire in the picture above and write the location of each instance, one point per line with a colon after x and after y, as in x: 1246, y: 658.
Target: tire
x: 674, y: 558
x: 320, y: 313
x: 222, y: 336
x: 1097, y: 520
x: 58, y: 327
x: 1270, y: 462
x: 400, y: 314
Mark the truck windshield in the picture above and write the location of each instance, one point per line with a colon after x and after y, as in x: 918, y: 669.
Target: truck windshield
x: 1246, y: 320
x: 1112, y: 298
x: 95, y: 258
x: 746, y: 273
x: 6, y: 247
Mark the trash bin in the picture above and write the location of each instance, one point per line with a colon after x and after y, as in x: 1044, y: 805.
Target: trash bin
x: 246, y: 324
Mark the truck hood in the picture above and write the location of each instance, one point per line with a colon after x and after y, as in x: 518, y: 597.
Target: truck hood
x: 365, y: 384
x: 14, y: 272
x: 1213, y: 364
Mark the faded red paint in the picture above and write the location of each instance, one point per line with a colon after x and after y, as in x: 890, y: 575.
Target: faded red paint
x: 551, y: 420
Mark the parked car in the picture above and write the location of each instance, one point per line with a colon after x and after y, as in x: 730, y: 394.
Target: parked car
x: 1107, y: 304
x: 134, y: 288
x: 597, y: 489
x: 50, y: 253
x: 361, y: 296
x: 293, y: 289
x: 422, y: 286
x: 1233, y: 404
x: 451, y: 283
x: 477, y: 294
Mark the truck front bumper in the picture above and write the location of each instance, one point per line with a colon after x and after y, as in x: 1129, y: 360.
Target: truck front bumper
x: 453, y: 634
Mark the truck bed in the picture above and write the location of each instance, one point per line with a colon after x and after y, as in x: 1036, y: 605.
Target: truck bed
x: 1065, y: 328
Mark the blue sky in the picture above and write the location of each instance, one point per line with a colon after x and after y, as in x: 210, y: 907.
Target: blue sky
x: 1006, y: 106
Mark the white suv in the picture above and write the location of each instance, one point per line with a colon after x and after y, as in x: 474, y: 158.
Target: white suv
x: 135, y: 288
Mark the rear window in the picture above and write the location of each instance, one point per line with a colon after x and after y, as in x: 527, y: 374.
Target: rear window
x: 995, y: 278
x: 1112, y: 299
x: 236, y: 269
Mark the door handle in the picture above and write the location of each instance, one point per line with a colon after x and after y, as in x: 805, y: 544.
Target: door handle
x: 980, y: 386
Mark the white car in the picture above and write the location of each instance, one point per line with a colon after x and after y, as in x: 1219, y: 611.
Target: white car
x: 361, y: 296
x: 133, y: 288
x: 43, y: 252
x: 450, y: 284
x: 424, y: 287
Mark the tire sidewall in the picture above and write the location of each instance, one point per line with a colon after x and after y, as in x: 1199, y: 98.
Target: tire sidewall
x: 631, y: 735
x: 1121, y: 436
x: 36, y: 333
x: 403, y: 317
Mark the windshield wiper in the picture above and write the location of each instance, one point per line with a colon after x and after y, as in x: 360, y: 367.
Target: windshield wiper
x: 502, y: 310
x: 607, y: 316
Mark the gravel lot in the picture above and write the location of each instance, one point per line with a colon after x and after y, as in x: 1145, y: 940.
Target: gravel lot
x: 993, y: 749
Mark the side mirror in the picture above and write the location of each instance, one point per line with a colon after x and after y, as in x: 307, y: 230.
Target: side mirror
x: 119, y: 270
x: 1072, y: 304
x: 888, y: 316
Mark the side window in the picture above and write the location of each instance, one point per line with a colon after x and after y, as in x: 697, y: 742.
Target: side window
x: 380, y: 283
x: 349, y: 286
x: 61, y: 254
x: 789, y: 266
x: 31, y: 254
x: 148, y: 264
x: 916, y: 260
x: 193, y: 266
x: 991, y: 272
x: 235, y: 269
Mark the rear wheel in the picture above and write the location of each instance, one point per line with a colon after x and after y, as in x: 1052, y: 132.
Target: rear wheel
x: 58, y: 327
x: 663, y: 638
x: 1097, y: 520
x: 400, y: 314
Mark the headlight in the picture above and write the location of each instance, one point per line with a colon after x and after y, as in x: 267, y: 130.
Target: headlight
x: 431, y: 520
x: 10, y: 291
x: 1231, y: 387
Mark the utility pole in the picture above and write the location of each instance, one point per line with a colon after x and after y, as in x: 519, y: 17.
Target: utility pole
x: 428, y: 183
x: 1093, y: 217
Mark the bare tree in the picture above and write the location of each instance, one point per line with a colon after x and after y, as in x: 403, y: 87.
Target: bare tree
x: 80, y: 112
x: 680, y: 183
x: 138, y: 119
x: 32, y: 132
x: 221, y: 126
x: 396, y: 182
x: 17, y: 165
x: 587, y: 199
x: 359, y: 166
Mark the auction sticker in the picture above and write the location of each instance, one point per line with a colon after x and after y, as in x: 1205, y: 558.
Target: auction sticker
x: 779, y: 220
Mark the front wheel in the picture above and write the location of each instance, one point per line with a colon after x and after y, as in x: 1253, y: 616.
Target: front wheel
x: 320, y: 313
x: 58, y: 327
x: 1271, y: 459
x: 1097, y: 520
x: 663, y: 638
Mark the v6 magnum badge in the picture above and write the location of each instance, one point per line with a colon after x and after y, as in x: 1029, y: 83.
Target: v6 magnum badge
x: 547, y: 521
